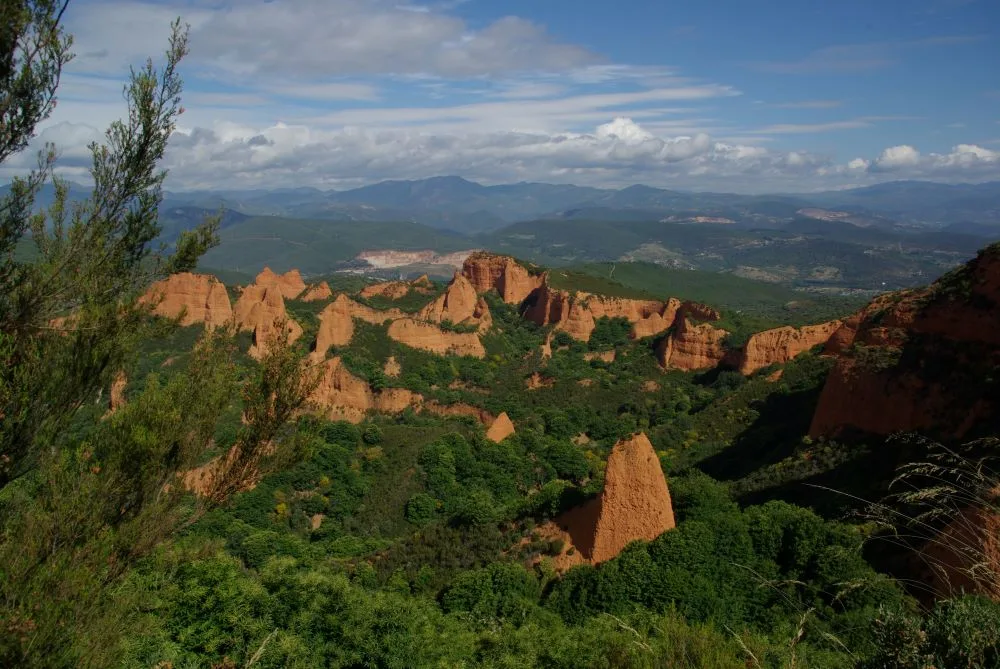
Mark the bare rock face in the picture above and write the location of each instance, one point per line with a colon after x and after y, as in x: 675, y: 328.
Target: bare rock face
x: 536, y: 381
x: 576, y: 314
x: 393, y: 290
x: 658, y: 321
x: 487, y: 271
x: 430, y: 337
x: 336, y: 323
x: 290, y: 283
x: 261, y: 309
x: 317, y: 292
x: 692, y: 346
x: 782, y: 344
x: 392, y: 368
x: 965, y: 556
x: 501, y: 428
x: 919, y: 360
x: 635, y: 503
x: 340, y: 395
x: 603, y: 356
x: 117, y: 395
x: 459, y: 409
x: 422, y: 284
x: 200, y: 297
x: 459, y: 304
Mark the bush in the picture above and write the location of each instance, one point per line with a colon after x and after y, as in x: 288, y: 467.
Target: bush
x: 372, y: 434
x: 421, y: 509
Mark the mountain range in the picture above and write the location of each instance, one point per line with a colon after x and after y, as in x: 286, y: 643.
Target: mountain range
x: 454, y: 203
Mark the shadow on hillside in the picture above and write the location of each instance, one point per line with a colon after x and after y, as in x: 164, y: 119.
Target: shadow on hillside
x: 782, y: 420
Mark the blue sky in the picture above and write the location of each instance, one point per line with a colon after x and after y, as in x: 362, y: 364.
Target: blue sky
x: 736, y: 95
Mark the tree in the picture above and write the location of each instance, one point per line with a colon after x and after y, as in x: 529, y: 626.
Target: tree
x: 82, y: 497
x: 70, y: 317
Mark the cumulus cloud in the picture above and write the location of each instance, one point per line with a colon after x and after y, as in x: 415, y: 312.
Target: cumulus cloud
x: 620, y: 151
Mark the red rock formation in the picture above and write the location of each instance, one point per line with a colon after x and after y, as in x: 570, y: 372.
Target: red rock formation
x: 317, y: 292
x: 691, y: 347
x: 392, y: 368
x: 918, y: 359
x: 500, y: 429
x: 342, y: 396
x: 422, y: 284
x: 634, y: 505
x: 459, y: 304
x: 336, y: 323
x: 513, y: 281
x: 117, y: 395
x: 965, y: 556
x: 290, y: 283
x: 536, y: 381
x: 603, y: 356
x: 430, y: 337
x: 261, y: 309
x: 393, y: 290
x: 459, y: 409
x: 782, y: 344
x: 200, y: 297
x: 576, y: 314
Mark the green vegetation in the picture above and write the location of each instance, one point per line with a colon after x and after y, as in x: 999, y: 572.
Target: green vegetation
x: 314, y: 246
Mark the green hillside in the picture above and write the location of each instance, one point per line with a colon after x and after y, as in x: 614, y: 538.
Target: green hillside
x: 777, y: 303
x: 314, y: 247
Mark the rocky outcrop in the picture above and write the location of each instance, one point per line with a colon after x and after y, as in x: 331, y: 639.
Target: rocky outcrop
x: 537, y: 381
x: 920, y: 360
x: 422, y: 284
x: 116, y: 399
x: 261, y: 309
x: 658, y: 321
x: 200, y: 298
x: 392, y: 369
x: 392, y: 290
x: 692, y: 346
x: 634, y: 505
x: 336, y: 323
x: 603, y: 356
x: 577, y: 313
x: 430, y: 337
x: 290, y: 283
x: 459, y: 410
x: 342, y: 396
x: 964, y: 557
x: 782, y: 344
x: 317, y: 292
x: 501, y: 428
x: 460, y: 305
x: 487, y: 271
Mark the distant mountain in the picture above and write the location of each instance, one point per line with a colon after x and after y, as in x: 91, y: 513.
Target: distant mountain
x: 921, y: 202
x: 454, y: 203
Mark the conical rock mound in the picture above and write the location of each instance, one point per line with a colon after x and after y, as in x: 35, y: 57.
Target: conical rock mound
x: 501, y: 428
x: 317, y: 292
x: 635, y: 503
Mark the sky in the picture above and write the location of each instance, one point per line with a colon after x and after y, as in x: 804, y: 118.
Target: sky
x: 723, y: 95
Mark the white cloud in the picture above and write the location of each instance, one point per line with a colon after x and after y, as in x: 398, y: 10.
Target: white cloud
x: 309, y: 39
x: 896, y: 157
